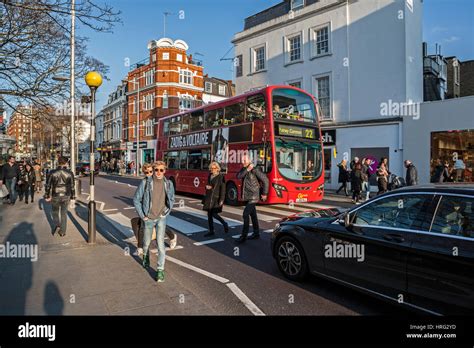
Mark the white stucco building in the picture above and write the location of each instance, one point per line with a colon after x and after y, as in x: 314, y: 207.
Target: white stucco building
x: 354, y: 56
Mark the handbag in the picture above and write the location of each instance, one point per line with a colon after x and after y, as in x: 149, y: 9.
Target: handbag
x: 3, y: 191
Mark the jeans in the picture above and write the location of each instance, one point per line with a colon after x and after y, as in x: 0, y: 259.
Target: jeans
x: 366, y: 189
x: 160, y: 226
x: 29, y: 190
x: 211, y: 215
x: 11, y: 187
x: 250, y: 209
x: 59, y: 210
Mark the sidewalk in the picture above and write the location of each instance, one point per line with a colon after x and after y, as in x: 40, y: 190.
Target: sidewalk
x: 71, y: 277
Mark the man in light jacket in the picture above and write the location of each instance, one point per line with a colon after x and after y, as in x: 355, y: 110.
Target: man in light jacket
x: 153, y: 201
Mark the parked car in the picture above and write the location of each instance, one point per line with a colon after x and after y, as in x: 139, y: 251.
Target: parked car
x: 413, y: 246
x: 83, y: 168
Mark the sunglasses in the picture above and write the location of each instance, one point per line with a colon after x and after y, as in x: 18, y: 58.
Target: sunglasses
x: 149, y: 172
x: 161, y: 170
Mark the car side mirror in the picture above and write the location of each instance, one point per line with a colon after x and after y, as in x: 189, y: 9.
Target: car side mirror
x: 347, y: 221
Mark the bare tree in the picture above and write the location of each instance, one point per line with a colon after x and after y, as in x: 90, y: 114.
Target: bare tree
x: 35, y: 46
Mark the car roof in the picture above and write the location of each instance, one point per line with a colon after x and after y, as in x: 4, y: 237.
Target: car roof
x: 459, y: 188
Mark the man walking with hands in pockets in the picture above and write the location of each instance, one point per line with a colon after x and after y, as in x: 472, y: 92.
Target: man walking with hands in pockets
x: 251, y: 178
x: 153, y: 201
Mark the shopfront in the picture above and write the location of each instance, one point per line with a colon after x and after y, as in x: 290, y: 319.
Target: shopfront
x: 443, y: 134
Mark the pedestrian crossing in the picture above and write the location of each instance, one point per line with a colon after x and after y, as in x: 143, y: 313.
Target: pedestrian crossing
x: 190, y: 221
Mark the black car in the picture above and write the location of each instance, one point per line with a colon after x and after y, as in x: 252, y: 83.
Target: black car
x: 414, y: 246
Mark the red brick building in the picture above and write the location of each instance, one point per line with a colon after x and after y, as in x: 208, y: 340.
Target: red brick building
x: 168, y: 82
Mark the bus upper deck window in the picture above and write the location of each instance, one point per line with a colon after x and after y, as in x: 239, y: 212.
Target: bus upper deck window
x: 256, y: 107
x: 185, y: 123
x: 197, y: 120
x: 214, y: 118
x: 234, y: 114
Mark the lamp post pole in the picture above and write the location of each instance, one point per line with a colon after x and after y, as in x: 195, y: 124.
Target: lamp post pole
x: 73, y: 102
x: 93, y: 80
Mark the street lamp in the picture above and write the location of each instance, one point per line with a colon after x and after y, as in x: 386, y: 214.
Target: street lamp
x: 93, y: 80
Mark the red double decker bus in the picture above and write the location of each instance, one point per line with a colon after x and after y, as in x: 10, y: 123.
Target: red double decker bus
x: 278, y: 126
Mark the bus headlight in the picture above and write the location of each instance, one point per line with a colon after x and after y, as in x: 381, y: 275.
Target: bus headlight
x: 278, y: 189
x: 321, y: 187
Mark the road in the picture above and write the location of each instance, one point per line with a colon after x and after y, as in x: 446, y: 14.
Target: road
x: 213, y: 266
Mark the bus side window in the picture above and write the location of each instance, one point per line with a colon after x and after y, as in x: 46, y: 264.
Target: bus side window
x: 206, y: 159
x: 234, y: 114
x: 171, y: 158
x: 185, y: 123
x: 197, y: 120
x: 256, y: 107
x: 194, y: 159
x: 183, y: 159
x: 166, y: 127
x: 175, y: 125
x: 214, y: 118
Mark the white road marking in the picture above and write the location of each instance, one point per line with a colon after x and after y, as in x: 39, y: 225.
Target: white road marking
x: 155, y: 251
x: 183, y: 226
x: 198, y: 270
x: 274, y: 211
x: 210, y: 241
x: 294, y: 207
x: 239, y: 212
x: 203, y: 215
x: 268, y: 231
x: 252, y: 307
x: 235, y: 236
x: 128, y: 208
x: 122, y: 223
x: 130, y: 185
x: 106, y: 210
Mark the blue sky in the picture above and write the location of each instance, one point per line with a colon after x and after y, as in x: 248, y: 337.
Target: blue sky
x: 209, y: 26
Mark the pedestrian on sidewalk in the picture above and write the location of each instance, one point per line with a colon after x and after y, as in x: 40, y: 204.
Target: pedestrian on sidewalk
x: 9, y: 177
x: 366, y: 177
x: 213, y: 200
x: 153, y: 201
x: 253, y: 180
x: 382, y: 178
x: 356, y: 180
x: 412, y: 174
x: 60, y: 191
x: 343, y: 177
x: 26, y: 183
x: 38, y: 177
x: 440, y: 174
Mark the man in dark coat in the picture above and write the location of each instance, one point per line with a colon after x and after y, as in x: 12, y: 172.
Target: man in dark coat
x: 9, y: 177
x: 214, y: 198
x: 412, y: 174
x: 251, y: 178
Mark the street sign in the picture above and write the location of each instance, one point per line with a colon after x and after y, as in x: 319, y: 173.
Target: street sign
x: 143, y: 145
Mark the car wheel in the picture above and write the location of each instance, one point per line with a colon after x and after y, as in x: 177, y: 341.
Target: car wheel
x: 291, y: 259
x: 231, y: 194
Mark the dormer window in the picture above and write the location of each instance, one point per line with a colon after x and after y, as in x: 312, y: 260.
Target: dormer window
x: 296, y: 4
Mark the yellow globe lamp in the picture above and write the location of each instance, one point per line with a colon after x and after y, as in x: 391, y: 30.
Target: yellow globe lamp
x: 93, y: 79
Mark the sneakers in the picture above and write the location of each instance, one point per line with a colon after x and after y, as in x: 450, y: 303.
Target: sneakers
x: 254, y: 236
x: 174, y: 241
x: 146, y: 261
x: 138, y: 252
x: 160, y: 277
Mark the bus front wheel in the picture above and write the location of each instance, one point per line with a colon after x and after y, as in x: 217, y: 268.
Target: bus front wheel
x: 231, y: 194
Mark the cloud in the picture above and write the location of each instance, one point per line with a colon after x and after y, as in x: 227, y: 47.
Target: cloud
x: 451, y: 39
x: 439, y: 29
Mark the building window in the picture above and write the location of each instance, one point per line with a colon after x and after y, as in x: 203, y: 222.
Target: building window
x: 166, y: 56
x: 186, y: 77
x: 149, y: 128
x: 208, y: 87
x: 222, y: 90
x: 165, y: 101
x: 149, y: 101
x: 150, y: 77
x: 258, y: 59
x: 186, y: 102
x: 238, y: 66
x: 320, y: 38
x: 323, y: 95
x: 296, y: 83
x: 179, y: 57
x: 153, y: 57
x: 293, y: 48
x: 295, y: 4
